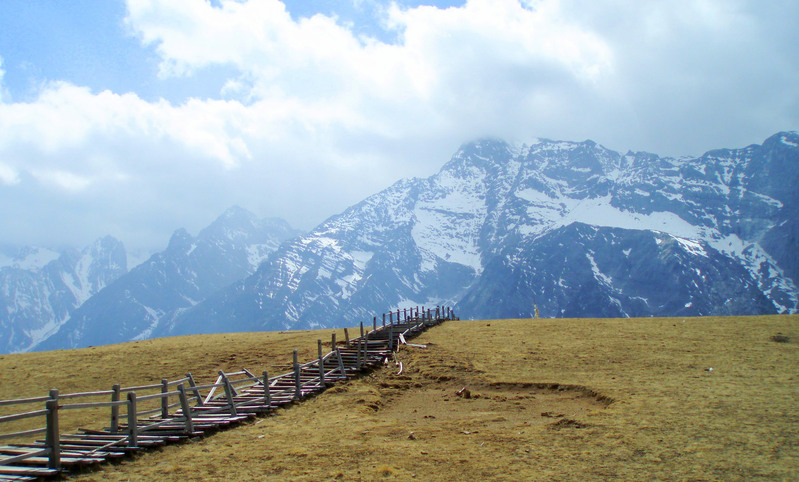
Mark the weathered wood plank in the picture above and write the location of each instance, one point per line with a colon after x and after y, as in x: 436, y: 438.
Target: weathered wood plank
x: 33, y: 471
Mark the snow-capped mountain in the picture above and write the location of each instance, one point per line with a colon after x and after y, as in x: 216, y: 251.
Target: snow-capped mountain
x: 188, y: 271
x: 576, y: 228
x: 39, y: 288
x: 581, y: 270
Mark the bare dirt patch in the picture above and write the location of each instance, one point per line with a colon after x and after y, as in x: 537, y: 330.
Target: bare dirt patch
x: 469, y: 406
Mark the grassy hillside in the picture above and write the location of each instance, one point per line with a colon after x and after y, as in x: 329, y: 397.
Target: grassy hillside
x: 548, y: 400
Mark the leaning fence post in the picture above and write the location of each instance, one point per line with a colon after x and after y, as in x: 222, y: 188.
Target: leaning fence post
x: 133, y: 430
x: 340, y: 363
x: 297, y: 384
x: 194, y: 389
x: 267, y: 395
x: 52, y: 437
x: 164, y: 398
x: 184, y: 406
x: 229, y: 393
x: 115, y: 408
x: 321, y: 365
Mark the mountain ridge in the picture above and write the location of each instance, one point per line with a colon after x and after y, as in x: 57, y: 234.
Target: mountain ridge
x: 184, y: 274
x: 426, y: 241
x: 572, y: 228
x: 41, y: 288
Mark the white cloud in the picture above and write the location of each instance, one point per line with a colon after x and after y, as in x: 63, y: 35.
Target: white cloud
x: 317, y: 117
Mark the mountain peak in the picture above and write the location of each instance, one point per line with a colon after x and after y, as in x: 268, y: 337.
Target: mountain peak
x: 789, y: 139
x: 180, y: 241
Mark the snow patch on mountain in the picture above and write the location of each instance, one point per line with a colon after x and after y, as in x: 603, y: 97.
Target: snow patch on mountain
x: 447, y: 220
x: 257, y: 253
x: 784, y: 140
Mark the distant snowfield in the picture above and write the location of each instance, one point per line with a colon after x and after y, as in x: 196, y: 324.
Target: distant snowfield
x: 551, y: 213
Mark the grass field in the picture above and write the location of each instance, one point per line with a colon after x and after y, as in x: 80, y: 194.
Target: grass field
x: 548, y: 399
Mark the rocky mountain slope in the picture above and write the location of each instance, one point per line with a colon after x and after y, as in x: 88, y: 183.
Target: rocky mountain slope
x: 188, y: 271
x: 578, y: 229
x: 39, y: 288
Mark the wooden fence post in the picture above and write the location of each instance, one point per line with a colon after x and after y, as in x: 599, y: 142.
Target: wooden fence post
x: 115, y: 408
x: 341, y: 363
x: 384, y: 320
x: 321, y: 365
x: 390, y: 317
x: 347, y: 337
x: 194, y: 389
x: 374, y: 323
x: 52, y: 436
x: 362, y: 344
x: 267, y: 394
x: 133, y: 430
x: 229, y: 393
x: 164, y: 398
x: 184, y: 406
x: 297, y: 383
x: 333, y: 341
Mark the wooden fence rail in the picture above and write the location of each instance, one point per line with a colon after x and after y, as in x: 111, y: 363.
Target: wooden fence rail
x: 234, y: 397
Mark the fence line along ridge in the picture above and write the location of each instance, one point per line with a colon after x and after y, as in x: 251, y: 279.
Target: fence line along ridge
x: 233, y: 398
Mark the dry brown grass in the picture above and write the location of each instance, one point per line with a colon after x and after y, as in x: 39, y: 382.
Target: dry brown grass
x: 145, y: 362
x: 538, y: 406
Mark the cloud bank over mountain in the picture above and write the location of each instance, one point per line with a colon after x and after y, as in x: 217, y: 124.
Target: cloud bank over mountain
x: 298, y: 113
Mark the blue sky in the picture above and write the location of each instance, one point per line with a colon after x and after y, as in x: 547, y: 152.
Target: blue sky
x: 137, y: 117
x: 88, y: 43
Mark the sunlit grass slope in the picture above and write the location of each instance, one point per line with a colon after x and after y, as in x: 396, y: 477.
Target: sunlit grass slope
x: 547, y: 400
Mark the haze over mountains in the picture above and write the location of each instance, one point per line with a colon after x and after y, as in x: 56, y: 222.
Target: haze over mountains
x: 570, y: 227
x: 133, y: 302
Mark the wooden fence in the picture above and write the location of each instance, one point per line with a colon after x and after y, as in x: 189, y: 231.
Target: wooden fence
x: 174, y: 410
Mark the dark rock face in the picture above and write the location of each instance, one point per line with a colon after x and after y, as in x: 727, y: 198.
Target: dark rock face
x: 613, y: 272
